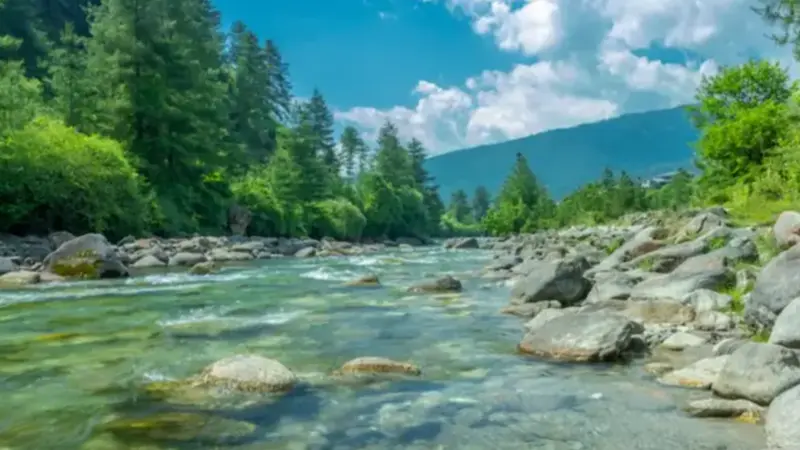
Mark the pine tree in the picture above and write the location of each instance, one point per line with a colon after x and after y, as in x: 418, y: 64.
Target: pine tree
x: 253, y: 121
x: 73, y: 95
x: 523, y: 203
x: 418, y: 154
x: 392, y: 161
x: 352, y: 151
x: 459, y: 206
x: 480, y: 203
x: 279, y: 84
x: 320, y: 121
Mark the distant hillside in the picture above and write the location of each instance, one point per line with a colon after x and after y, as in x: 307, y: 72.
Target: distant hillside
x: 644, y: 144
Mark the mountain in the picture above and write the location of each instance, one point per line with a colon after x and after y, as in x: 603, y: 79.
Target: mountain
x: 643, y: 144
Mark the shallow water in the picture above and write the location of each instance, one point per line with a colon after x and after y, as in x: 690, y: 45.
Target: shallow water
x: 76, y: 356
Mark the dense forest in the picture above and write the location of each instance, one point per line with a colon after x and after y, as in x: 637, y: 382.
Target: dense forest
x: 127, y: 117
x: 145, y: 117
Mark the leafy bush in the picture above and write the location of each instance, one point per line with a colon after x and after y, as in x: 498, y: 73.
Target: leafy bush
x: 337, y: 218
x: 54, y: 178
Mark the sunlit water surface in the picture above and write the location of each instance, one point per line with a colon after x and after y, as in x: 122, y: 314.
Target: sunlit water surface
x: 75, y: 356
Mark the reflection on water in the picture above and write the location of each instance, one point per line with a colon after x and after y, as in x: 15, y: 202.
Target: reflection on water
x: 98, y: 366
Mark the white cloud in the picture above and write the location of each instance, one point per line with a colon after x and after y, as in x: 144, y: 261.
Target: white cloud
x: 574, y: 81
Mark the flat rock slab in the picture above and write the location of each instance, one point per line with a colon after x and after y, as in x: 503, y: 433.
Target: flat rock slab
x: 700, y: 375
x: 722, y: 408
x: 581, y: 337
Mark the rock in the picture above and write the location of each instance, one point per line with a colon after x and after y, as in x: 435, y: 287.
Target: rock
x: 8, y: 264
x: 20, y: 278
x: 700, y: 375
x: 249, y: 373
x: 722, y: 408
x: 223, y: 255
x: 87, y: 256
x: 543, y: 317
x: 462, y: 243
x: 374, y: 365
x: 707, y: 300
x: 530, y: 310
x: 612, y: 286
x: 786, y: 331
x: 365, y: 281
x: 645, y: 241
x: 701, y: 223
x: 783, y: 417
x: 658, y: 368
x: 758, y: 372
x: 659, y: 312
x: 561, y: 280
x: 239, y: 219
x: 678, y: 284
x: 305, y: 252
x: 682, y: 340
x: 186, y: 259
x: 581, y: 337
x: 203, y: 268
x: 776, y: 286
x: 713, y: 321
x: 666, y: 259
x: 148, y: 261
x: 786, y: 230
x: 441, y: 285
x: 727, y: 346
x: 58, y: 238
x: 185, y: 427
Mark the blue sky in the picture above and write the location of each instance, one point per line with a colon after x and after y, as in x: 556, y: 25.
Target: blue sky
x: 458, y: 73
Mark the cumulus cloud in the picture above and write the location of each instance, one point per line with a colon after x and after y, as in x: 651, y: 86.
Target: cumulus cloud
x: 568, y: 84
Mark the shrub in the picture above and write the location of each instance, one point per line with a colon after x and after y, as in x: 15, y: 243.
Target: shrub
x: 54, y: 178
x: 338, y: 218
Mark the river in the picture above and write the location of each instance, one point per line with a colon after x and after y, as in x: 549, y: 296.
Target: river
x: 75, y: 356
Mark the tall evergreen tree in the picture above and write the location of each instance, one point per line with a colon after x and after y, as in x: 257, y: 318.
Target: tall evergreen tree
x: 352, y: 150
x: 253, y: 121
x: 523, y: 203
x: 320, y: 121
x: 70, y: 87
x: 459, y: 206
x: 480, y: 203
x: 392, y: 161
x: 279, y: 84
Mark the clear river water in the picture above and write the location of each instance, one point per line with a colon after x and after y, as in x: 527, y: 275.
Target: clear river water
x: 75, y: 357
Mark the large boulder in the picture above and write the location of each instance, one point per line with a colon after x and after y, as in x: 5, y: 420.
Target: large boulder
x: 786, y: 331
x: 560, y: 280
x: 758, y: 372
x: 250, y: 373
x: 783, y: 417
x: 776, y: 286
x: 87, y: 256
x: 786, y: 230
x: 581, y: 337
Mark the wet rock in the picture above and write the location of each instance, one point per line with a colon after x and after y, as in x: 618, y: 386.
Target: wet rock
x: 377, y: 365
x: 529, y: 310
x: 776, y: 286
x: 186, y: 259
x: 786, y: 230
x: 305, y: 252
x: 758, y: 372
x: 561, y: 280
x: 543, y: 317
x: 87, y: 256
x: 441, y: 285
x: 20, y: 278
x: 203, y: 268
x: 180, y: 427
x: 249, y: 373
x: 365, y: 281
x: 783, y: 417
x: 462, y: 243
x: 700, y: 375
x: 658, y: 368
x: 148, y: 261
x: 722, y: 408
x: 682, y: 340
x: 581, y: 337
x: 786, y: 331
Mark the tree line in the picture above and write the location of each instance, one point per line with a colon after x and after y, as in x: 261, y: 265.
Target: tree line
x: 147, y: 118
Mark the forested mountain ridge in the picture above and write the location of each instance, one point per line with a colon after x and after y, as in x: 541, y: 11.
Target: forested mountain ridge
x: 642, y: 144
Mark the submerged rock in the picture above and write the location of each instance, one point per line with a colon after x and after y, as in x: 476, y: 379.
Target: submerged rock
x: 365, y: 281
x: 203, y: 268
x: 441, y: 285
x: 375, y: 365
x: 249, y: 373
x: 181, y: 427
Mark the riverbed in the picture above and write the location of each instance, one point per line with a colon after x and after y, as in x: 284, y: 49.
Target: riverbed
x: 76, y: 356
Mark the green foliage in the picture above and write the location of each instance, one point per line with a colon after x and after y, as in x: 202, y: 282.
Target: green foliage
x: 339, y: 219
x: 54, y: 178
x: 481, y: 202
x: 459, y: 208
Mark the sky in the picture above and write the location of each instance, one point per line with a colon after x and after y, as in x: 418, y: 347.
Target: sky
x: 462, y: 73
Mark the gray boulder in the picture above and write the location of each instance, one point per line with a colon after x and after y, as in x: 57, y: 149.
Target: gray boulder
x: 776, y: 286
x: 783, y: 417
x: 786, y: 331
x: 758, y: 372
x: 561, y: 280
